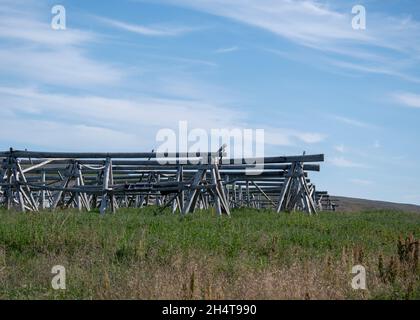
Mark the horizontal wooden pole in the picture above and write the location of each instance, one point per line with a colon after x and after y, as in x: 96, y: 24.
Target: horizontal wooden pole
x: 154, y: 155
x: 103, y: 155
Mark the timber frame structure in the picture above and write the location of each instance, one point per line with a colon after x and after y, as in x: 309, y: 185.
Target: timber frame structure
x: 35, y: 181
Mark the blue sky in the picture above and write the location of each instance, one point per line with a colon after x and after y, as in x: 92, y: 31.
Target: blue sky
x: 124, y: 69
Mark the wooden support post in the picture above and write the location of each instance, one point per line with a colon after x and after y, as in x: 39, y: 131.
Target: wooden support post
x: 42, y: 200
x: 27, y: 188
x: 221, y: 190
x: 105, y: 186
x: 264, y: 194
x: 190, y: 203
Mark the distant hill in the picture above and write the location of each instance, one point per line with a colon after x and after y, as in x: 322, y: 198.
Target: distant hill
x: 354, y: 204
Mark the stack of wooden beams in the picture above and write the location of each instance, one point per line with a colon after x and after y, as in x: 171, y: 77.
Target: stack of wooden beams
x: 34, y: 181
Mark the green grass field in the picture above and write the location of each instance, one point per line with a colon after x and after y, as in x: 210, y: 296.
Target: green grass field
x: 143, y: 254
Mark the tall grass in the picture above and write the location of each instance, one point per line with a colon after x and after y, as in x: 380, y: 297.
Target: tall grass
x: 144, y: 254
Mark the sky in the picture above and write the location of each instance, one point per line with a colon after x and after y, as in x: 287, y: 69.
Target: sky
x: 122, y: 70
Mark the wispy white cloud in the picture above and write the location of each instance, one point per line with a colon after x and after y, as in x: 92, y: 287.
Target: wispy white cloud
x: 156, y: 30
x: 35, y: 52
x: 310, y: 137
x: 345, y: 163
x: 350, y: 121
x: 132, y: 113
x: 321, y: 26
x: 407, y: 99
x: 26, y: 27
x: 290, y: 137
x: 40, y: 55
x: 304, y: 22
x: 25, y: 105
x: 374, y: 68
x: 340, y: 148
x: 227, y: 49
x: 129, y: 124
x: 59, y: 67
x: 60, y: 135
x: 361, y: 182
